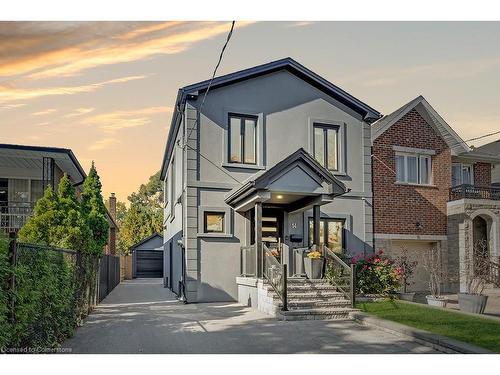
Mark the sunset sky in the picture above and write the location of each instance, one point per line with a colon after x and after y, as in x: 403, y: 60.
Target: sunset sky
x: 106, y: 89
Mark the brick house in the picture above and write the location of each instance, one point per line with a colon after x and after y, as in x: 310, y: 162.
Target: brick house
x: 430, y: 189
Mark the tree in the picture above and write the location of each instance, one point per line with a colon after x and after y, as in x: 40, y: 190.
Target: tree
x: 57, y: 220
x: 145, y: 215
x: 94, y: 211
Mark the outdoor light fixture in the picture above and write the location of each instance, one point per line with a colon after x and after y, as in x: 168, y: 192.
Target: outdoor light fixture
x: 279, y: 196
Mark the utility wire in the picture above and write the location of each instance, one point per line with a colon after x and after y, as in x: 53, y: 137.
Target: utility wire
x: 213, y: 76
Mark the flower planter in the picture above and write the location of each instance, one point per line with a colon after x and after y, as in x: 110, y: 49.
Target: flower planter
x: 313, y: 268
x: 436, y: 301
x: 407, y: 296
x: 473, y: 303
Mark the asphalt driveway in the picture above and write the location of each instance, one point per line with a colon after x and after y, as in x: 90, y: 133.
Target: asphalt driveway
x: 140, y: 316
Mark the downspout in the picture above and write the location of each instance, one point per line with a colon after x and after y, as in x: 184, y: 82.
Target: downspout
x: 184, y: 206
x: 373, y: 202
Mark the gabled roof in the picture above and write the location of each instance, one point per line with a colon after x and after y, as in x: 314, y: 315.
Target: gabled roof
x: 430, y: 115
x: 261, y: 179
x: 489, y: 152
x: 192, y: 91
x: 156, y: 234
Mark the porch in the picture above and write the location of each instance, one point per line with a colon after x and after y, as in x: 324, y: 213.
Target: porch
x: 273, y: 254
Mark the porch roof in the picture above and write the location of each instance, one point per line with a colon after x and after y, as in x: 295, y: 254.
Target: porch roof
x: 297, y: 182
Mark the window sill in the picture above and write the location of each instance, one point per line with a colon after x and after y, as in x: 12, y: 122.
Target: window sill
x: 214, y: 235
x: 243, y: 166
x: 416, y: 185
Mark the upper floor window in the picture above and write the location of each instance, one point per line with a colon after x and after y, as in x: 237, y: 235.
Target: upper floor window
x: 413, y: 169
x: 461, y: 174
x: 242, y: 139
x: 326, y: 145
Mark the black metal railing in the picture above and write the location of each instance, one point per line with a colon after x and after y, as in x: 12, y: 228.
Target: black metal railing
x: 276, y: 274
x: 13, y: 215
x: 474, y: 192
x: 341, y: 275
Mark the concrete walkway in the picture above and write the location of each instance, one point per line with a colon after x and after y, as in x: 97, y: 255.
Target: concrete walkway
x: 140, y: 316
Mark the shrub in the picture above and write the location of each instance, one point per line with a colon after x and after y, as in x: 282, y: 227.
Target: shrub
x: 5, y: 272
x: 376, y: 274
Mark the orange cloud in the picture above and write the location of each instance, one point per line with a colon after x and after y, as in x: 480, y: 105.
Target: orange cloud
x: 79, y: 112
x: 143, y: 41
x: 103, y: 144
x: 8, y: 94
x: 118, y: 120
x: 43, y: 113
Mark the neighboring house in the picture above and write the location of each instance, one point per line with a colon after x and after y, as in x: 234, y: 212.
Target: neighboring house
x: 279, y: 158
x: 490, y: 151
x: 25, y: 173
x: 147, y: 257
x: 430, y: 189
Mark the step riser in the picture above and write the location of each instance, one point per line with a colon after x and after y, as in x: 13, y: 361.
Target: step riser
x: 315, y: 317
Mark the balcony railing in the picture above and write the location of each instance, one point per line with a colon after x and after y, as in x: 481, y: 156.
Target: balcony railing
x: 13, y: 215
x: 474, y: 192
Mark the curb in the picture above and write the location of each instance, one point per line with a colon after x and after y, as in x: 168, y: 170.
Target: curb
x: 441, y: 343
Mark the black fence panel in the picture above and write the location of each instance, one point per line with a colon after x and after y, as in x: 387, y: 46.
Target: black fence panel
x: 109, y: 275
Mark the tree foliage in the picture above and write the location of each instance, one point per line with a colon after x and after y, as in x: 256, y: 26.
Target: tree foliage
x: 144, y: 216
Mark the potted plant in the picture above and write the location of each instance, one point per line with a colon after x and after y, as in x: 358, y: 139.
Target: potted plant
x: 405, y: 267
x: 432, y: 263
x: 313, y: 265
x: 477, y: 274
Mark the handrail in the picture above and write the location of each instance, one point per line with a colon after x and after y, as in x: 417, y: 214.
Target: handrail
x: 344, y: 279
x: 474, y: 192
x: 276, y: 274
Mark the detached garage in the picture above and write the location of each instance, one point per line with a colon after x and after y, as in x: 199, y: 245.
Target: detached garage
x: 147, y: 257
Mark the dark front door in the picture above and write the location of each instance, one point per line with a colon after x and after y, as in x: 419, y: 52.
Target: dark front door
x: 149, y: 263
x: 272, y: 228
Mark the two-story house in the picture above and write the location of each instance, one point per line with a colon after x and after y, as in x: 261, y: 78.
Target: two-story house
x: 273, y: 159
x: 431, y: 190
x: 25, y: 173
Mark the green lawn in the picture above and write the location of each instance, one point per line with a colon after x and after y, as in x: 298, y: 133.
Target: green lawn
x: 478, y: 331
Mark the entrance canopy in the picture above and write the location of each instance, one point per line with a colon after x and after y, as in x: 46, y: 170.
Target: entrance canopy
x: 296, y: 183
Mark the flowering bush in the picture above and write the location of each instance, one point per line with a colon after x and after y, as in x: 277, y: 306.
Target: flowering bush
x: 314, y: 255
x: 376, y: 274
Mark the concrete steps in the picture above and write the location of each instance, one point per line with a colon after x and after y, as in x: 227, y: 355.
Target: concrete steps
x: 311, y: 300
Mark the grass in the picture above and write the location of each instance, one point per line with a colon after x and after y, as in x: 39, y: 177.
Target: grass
x: 478, y: 331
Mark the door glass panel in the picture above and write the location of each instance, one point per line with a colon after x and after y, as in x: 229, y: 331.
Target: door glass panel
x: 412, y: 169
x: 250, y: 126
x: 335, y: 236
x: 466, y: 175
x: 456, y: 174
x: 332, y: 149
x: 235, y: 139
x: 319, y: 146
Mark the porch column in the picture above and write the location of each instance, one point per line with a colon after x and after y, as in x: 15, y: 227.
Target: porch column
x: 316, y: 220
x: 259, y: 251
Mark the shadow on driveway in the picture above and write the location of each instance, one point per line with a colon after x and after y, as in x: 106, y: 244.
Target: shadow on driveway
x: 140, y: 316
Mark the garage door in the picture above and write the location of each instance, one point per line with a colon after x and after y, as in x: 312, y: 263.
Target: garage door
x: 149, y: 263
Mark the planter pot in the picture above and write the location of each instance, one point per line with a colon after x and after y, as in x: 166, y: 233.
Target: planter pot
x: 407, y: 296
x: 473, y: 303
x: 313, y: 268
x: 436, y: 301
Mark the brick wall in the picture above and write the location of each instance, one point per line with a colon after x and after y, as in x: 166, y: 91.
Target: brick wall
x: 482, y: 174
x: 397, y: 207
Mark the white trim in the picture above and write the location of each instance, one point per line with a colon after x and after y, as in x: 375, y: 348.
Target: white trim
x: 422, y: 237
x: 413, y: 150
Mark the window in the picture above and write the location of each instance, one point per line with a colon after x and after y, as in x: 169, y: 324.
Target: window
x: 413, y: 169
x: 325, y: 145
x: 461, y: 174
x: 242, y: 139
x: 332, y: 237
x: 36, y: 190
x: 213, y: 222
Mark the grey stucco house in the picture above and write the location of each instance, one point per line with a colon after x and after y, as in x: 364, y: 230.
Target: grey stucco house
x: 275, y: 159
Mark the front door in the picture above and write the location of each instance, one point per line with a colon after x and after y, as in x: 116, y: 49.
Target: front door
x: 272, y: 229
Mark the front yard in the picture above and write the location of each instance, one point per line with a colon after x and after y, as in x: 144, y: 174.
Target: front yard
x: 478, y: 331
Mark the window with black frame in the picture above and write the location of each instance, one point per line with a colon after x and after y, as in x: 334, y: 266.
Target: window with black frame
x: 326, y: 145
x: 213, y: 222
x: 242, y: 145
x: 331, y: 233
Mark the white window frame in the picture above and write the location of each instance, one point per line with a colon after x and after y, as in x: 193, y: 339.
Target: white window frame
x: 462, y: 166
x: 405, y: 156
